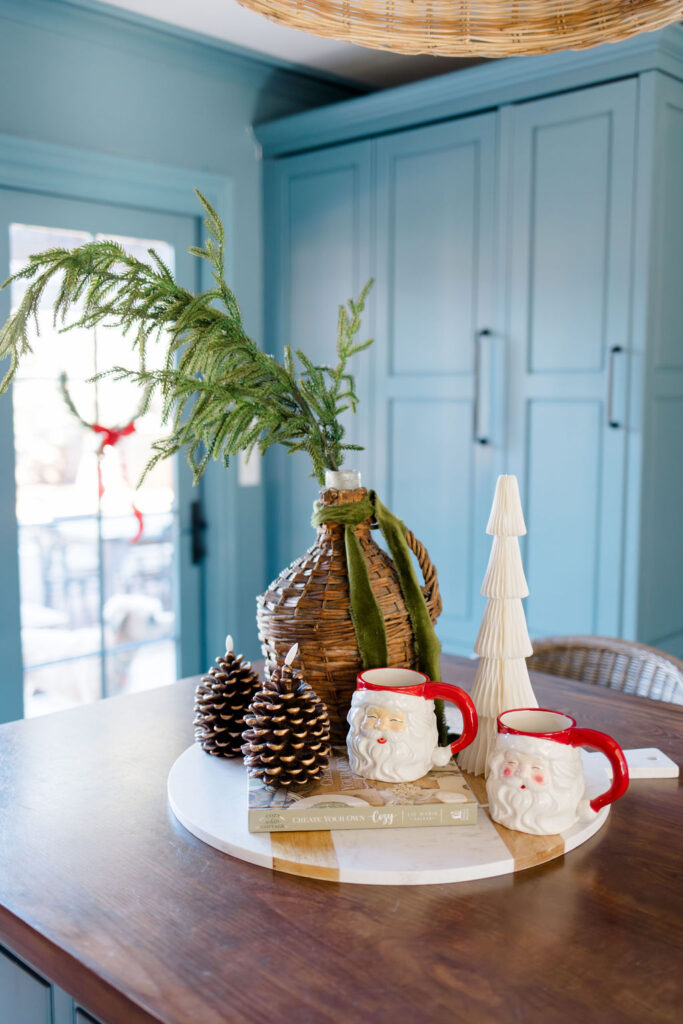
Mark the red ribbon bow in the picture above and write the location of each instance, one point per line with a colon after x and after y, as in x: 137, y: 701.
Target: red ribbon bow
x: 111, y: 436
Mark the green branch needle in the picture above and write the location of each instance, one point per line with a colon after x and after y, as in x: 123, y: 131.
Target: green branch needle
x: 220, y: 393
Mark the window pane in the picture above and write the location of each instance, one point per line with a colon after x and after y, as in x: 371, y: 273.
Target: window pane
x: 139, y: 587
x: 141, y: 668
x: 144, y: 569
x: 93, y: 592
x: 52, y: 352
x: 118, y: 401
x: 61, y: 686
x: 124, y: 463
x: 157, y: 491
x: 60, y: 585
x: 56, y: 461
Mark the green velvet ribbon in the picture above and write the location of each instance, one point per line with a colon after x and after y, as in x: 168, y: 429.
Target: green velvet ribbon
x: 366, y: 614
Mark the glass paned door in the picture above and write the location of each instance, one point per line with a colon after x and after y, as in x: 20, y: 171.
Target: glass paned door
x: 104, y: 579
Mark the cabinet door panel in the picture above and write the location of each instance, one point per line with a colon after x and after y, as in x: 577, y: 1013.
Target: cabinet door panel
x: 25, y: 998
x: 570, y: 283
x: 563, y: 466
x: 436, y: 197
x: 433, y: 245
x: 318, y: 207
x: 569, y: 253
x: 414, y: 426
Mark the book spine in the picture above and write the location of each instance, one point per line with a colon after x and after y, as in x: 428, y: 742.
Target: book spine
x: 394, y: 816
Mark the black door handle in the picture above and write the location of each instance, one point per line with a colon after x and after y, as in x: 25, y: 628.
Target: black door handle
x: 197, y: 524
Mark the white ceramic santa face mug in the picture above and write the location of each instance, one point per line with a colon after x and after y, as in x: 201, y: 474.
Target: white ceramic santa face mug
x: 393, y: 735
x: 536, y: 782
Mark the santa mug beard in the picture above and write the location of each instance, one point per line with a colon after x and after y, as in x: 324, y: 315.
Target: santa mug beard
x: 393, y: 737
x: 536, y: 783
x: 536, y: 786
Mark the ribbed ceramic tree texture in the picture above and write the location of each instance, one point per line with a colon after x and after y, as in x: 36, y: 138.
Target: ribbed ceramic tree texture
x: 502, y: 680
x: 505, y: 574
x: 506, y: 519
x: 499, y: 679
x: 503, y: 632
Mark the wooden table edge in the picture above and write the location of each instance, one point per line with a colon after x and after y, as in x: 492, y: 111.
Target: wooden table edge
x: 89, y: 989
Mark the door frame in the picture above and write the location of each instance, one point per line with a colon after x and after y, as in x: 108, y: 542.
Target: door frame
x: 28, y: 165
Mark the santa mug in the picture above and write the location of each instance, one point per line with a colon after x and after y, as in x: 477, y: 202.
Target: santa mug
x: 393, y: 735
x: 536, y: 782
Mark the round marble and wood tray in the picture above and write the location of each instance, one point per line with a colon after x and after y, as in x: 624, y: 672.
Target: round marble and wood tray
x: 208, y: 795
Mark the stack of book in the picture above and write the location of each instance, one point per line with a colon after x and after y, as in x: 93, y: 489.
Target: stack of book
x: 340, y: 799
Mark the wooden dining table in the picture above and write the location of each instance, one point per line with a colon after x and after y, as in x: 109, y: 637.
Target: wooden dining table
x: 103, y: 892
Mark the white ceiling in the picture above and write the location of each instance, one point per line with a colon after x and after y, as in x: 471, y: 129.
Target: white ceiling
x: 226, y: 20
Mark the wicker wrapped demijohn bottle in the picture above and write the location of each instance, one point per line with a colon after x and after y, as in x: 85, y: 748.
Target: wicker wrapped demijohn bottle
x: 310, y: 603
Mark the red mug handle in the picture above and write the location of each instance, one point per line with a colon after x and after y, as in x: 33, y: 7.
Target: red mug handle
x: 611, y: 749
x: 455, y: 695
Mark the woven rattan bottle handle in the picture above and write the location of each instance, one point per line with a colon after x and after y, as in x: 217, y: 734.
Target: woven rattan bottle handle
x: 428, y: 571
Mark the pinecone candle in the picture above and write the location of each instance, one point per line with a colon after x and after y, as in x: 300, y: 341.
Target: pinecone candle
x: 287, y: 742
x: 221, y: 702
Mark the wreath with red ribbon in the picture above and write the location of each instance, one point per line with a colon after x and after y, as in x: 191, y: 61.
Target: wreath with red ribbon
x: 111, y: 437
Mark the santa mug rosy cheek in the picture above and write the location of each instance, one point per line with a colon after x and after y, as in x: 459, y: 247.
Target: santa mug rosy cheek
x: 393, y: 735
x: 536, y: 782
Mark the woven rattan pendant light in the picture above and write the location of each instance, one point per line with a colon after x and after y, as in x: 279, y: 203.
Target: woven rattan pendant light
x: 485, y: 28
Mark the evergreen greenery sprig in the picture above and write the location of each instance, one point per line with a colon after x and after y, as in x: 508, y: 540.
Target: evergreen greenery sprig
x: 221, y: 394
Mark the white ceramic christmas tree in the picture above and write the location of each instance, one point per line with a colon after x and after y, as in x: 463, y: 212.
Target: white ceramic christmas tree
x: 502, y: 680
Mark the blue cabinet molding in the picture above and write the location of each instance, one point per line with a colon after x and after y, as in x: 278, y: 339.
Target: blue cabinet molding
x: 482, y: 87
x: 584, y: 192
x: 36, y: 166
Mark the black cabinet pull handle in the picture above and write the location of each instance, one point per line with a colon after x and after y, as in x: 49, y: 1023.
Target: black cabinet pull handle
x: 484, y: 332
x: 611, y: 422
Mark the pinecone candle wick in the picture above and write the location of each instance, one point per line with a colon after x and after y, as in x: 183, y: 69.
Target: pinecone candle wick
x: 221, y: 702
x: 287, y: 742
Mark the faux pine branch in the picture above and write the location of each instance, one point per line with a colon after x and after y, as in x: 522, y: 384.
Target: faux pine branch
x: 221, y: 394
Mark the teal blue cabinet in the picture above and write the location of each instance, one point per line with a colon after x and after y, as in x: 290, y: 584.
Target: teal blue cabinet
x: 571, y: 168
x: 25, y: 997
x: 435, y: 266
x: 28, y: 998
x: 528, y: 319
